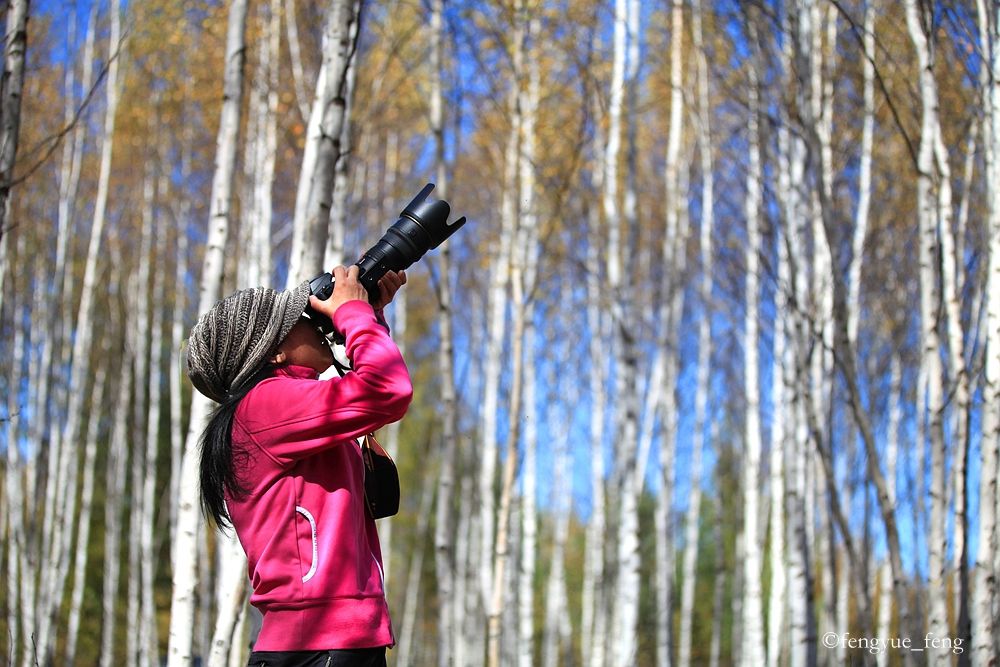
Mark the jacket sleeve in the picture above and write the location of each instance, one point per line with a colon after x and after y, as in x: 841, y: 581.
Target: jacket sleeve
x: 291, y: 418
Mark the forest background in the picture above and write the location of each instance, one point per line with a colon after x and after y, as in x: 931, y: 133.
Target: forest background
x: 711, y: 375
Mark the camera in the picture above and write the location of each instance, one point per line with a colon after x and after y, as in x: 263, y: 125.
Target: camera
x: 421, y: 226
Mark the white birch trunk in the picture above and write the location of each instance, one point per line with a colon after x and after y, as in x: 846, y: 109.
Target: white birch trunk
x: 777, y: 633
x: 295, y: 52
x: 502, y: 550
x: 412, y: 600
x: 673, y: 258
x: 86, y: 503
x: 718, y: 591
x: 68, y: 185
x: 500, y: 281
x: 801, y: 614
x: 984, y: 650
x: 821, y: 296
x: 69, y: 178
x: 185, y: 575
x: 230, y: 595
x: 444, y: 557
x: 959, y: 386
x: 261, y: 148
x: 949, y: 266
x: 930, y: 298
x: 691, y: 528
x: 237, y: 655
x: 556, y: 626
x: 114, y: 505
x: 529, y: 253
x: 892, y: 447
x: 853, y: 305
x: 466, y: 610
x: 864, y: 177
x: 183, y: 210
x: 593, y: 621
x: 523, y: 270
x: 334, y: 253
x: 17, y: 575
x: 150, y: 645
x: 594, y: 596
x: 752, y: 652
x: 139, y: 302
x: 63, y: 507
x: 206, y: 598
x: 624, y: 618
x: 323, y: 149
x: 14, y: 56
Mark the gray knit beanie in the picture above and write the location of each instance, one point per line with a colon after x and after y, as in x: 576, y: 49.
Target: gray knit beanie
x: 235, y: 337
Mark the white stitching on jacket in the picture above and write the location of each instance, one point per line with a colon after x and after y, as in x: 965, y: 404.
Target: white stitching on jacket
x: 312, y: 523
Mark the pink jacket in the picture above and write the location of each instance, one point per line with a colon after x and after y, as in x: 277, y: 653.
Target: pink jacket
x: 313, y: 554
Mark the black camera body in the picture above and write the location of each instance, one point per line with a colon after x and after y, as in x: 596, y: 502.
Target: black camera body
x: 422, y: 226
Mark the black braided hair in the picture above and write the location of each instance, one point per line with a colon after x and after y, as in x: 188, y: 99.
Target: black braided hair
x: 220, y: 460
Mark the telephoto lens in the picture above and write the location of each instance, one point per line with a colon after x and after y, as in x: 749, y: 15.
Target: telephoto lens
x: 421, y: 226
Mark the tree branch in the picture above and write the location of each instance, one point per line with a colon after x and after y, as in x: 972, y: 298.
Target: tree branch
x: 55, y: 140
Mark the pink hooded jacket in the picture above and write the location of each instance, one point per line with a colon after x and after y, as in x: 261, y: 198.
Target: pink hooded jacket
x: 313, y: 553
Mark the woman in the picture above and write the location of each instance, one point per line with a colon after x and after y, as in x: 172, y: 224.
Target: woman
x: 280, y: 462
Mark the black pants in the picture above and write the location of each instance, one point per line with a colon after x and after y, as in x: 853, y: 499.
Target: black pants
x: 350, y: 657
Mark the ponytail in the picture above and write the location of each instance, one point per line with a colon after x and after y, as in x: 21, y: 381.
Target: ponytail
x: 219, y: 476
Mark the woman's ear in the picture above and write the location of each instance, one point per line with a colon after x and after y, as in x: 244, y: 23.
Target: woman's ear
x: 278, y: 358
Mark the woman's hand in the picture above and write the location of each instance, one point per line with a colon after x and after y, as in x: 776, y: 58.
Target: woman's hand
x: 346, y: 287
x: 388, y: 285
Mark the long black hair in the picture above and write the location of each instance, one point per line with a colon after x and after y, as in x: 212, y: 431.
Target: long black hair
x: 219, y: 459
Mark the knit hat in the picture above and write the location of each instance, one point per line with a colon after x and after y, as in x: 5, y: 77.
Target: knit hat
x: 234, y: 338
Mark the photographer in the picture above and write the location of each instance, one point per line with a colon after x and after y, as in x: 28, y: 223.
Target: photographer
x: 280, y: 462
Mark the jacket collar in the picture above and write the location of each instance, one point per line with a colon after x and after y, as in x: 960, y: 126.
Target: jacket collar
x: 294, y: 371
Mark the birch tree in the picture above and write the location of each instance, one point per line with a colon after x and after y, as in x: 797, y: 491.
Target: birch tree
x: 150, y: 645
x: 529, y: 251
x: 114, y: 504
x: 86, y: 504
x: 500, y: 284
x: 593, y: 624
x: 885, y: 571
x: 17, y: 557
x: 185, y: 577
x: 625, y: 411
x: 52, y: 591
x: 752, y: 652
x: 334, y: 252
x: 984, y: 649
x: 69, y: 180
x: 557, y: 617
x: 295, y: 55
x: 262, y: 150
x: 136, y: 631
x: 11, y: 87
x: 917, y: 21
x: 691, y: 523
x: 444, y: 558
x: 791, y: 166
x: 182, y: 212
x: 506, y: 524
x: 323, y: 144
x: 411, y: 601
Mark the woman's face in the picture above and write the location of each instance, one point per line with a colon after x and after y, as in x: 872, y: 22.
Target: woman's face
x: 305, y: 346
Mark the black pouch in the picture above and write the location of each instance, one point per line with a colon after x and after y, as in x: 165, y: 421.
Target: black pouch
x: 381, y: 479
